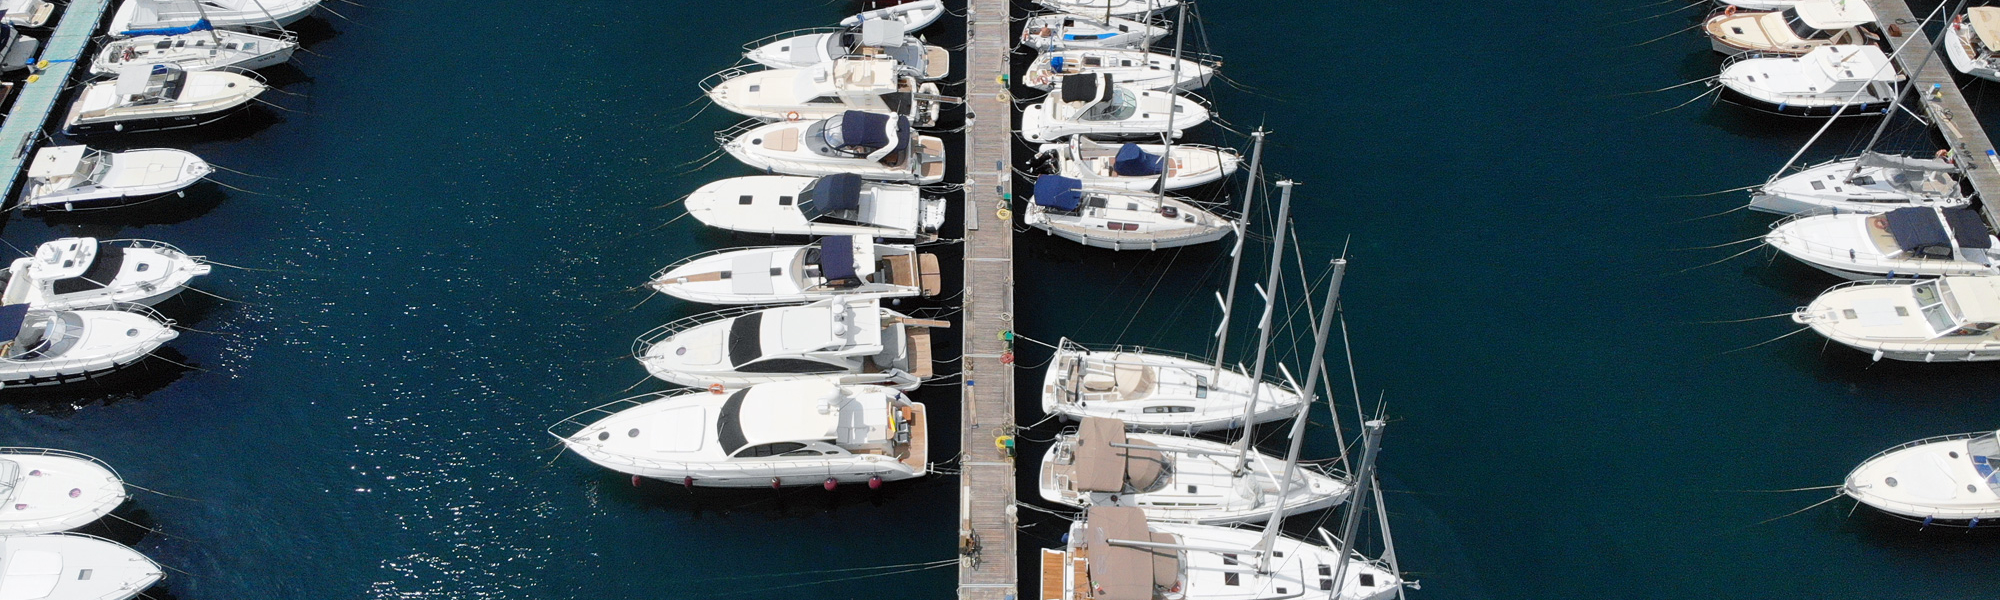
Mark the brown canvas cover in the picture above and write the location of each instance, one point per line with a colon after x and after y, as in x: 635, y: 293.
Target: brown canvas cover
x: 1118, y: 572
x: 1104, y: 468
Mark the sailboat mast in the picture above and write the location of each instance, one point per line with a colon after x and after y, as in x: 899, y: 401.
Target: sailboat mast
x: 1173, y: 114
x: 1908, y: 85
x: 1264, y: 324
x: 1236, y: 255
x: 1313, y: 371
x: 1364, y: 478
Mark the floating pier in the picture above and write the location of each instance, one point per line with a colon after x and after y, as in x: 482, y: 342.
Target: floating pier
x: 23, y: 128
x: 986, y: 501
x: 1943, y: 102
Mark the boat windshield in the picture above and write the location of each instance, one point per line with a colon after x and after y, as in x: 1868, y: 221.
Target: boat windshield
x: 1801, y: 29
x: 1941, y: 310
x: 1985, y: 455
x: 44, y: 334
x: 1120, y: 107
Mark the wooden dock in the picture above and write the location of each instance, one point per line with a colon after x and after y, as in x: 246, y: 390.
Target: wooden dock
x: 986, y: 501
x: 1941, y: 98
x: 23, y: 128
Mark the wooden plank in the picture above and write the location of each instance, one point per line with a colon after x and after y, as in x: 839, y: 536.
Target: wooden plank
x: 986, y: 390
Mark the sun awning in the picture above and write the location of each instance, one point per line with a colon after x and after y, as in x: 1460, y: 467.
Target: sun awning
x: 840, y: 191
x: 836, y: 257
x: 1058, y: 192
x: 1133, y: 161
x: 57, y: 161
x: 1967, y: 228
x: 1917, y: 230
x: 1082, y: 88
x: 1100, y: 467
x: 1985, y: 24
x: 865, y: 129
x: 1119, y: 572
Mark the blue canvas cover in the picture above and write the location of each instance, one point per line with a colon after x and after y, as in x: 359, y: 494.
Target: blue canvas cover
x: 841, y: 191
x: 11, y: 318
x: 836, y: 257
x: 1918, y: 231
x: 201, y: 25
x: 1058, y: 192
x: 863, y: 129
x: 1134, y: 162
x: 1967, y: 228
x: 1056, y: 63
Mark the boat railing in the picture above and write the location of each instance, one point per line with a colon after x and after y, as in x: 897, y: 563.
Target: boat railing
x: 769, y: 39
x: 729, y: 134
x: 1928, y: 440
x: 709, y: 83
x: 30, y: 450
x: 607, y: 409
x: 676, y: 326
x: 1810, y: 247
x: 141, y: 244
x: 662, y: 273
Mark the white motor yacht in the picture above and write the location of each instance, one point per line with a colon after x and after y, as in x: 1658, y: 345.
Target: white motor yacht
x: 161, y: 96
x: 62, y: 566
x: 804, y: 48
x: 836, y: 265
x: 1120, y: 220
x: 1114, y: 553
x: 76, y: 177
x: 825, y: 91
x: 1869, y: 183
x: 1174, y: 478
x: 1135, y: 69
x: 1948, y: 478
x: 84, y: 273
x: 913, y: 15
x: 839, y: 204
x: 875, y: 146
x: 26, y: 13
x: 56, y: 347
x: 1950, y: 319
x: 166, y: 17
x: 1068, y: 31
x: 1792, y: 30
x: 205, y: 49
x: 1091, y: 105
x: 1153, y: 391
x: 1134, y: 9
x: 46, y: 491
x: 832, y: 340
x: 1136, y: 167
x: 1829, y: 80
x: 1907, y: 242
x: 1972, y: 42
x: 788, y: 433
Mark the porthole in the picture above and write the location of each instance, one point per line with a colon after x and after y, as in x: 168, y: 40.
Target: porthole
x: 1891, y: 481
x: 632, y: 433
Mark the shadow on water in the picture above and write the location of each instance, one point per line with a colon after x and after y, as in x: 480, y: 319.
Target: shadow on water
x: 790, y: 502
x: 247, y: 122
x: 314, y: 30
x: 198, y: 200
x: 138, y: 380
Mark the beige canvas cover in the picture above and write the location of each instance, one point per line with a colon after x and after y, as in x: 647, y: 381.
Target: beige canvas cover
x: 1119, y: 572
x: 1102, y: 467
x: 1985, y: 24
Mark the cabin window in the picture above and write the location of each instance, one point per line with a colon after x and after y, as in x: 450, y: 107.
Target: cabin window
x: 776, y: 449
x: 805, y: 452
x: 1935, y: 302
x: 1162, y: 410
x: 1801, y: 29
x: 1229, y: 559
x: 1368, y: 580
x: 745, y: 200
x: 1231, y: 579
x: 824, y: 100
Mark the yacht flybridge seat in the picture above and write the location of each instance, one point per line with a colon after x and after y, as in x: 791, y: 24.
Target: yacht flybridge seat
x: 160, y: 96
x: 913, y: 15
x: 1120, y: 220
x: 1944, y: 480
x: 55, y: 347
x: 1151, y: 391
x: 877, y: 147
x: 1829, y: 80
x: 1950, y: 319
x: 836, y: 265
x: 1066, y: 31
x: 1174, y: 478
x: 45, y: 491
x: 1906, y: 242
x: 1137, y: 69
x: 838, y: 204
x: 831, y: 340
x: 77, y: 177
x: 1972, y: 42
x: 789, y: 433
x: 1093, y: 105
x: 1869, y: 183
x: 871, y: 84
x: 1135, y: 167
x: 84, y: 273
x: 61, y: 566
x: 879, y: 38
x: 1114, y: 553
x: 153, y: 17
x: 201, y: 48
x: 1795, y: 30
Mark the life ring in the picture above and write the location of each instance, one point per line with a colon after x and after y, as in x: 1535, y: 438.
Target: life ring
x: 1878, y: 223
x: 792, y: 115
x: 715, y: 388
x: 1729, y: 12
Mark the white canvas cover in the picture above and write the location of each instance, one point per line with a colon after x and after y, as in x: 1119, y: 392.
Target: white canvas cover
x: 31, y: 574
x: 882, y: 32
x: 1985, y: 24
x: 57, y: 161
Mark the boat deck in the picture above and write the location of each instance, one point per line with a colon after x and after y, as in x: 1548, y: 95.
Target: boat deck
x: 1940, y: 95
x: 986, y: 516
x: 24, y: 124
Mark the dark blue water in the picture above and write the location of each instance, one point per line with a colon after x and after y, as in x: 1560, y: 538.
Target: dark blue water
x: 461, y: 197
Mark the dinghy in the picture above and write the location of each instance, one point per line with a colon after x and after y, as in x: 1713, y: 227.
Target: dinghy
x: 875, y: 146
x: 56, y: 347
x: 1948, y: 480
x: 1135, y: 69
x: 1154, y: 391
x: 1091, y: 105
x: 1869, y: 183
x: 46, y: 491
x: 1794, y: 30
x: 1069, y: 31
x: 84, y: 273
x: 841, y: 204
x: 1120, y: 220
x: 26, y: 13
x: 1907, y: 242
x: 825, y: 91
x: 152, y: 97
x: 1174, y: 478
x: 913, y: 15
x: 1135, y: 9
x: 820, y: 45
x: 832, y: 340
x: 1972, y: 42
x: 1851, y: 80
x: 168, y: 17
x: 790, y: 433
x: 76, y: 177
x: 1950, y: 319
x: 204, y: 49
x: 61, y: 566
x: 836, y: 265
x: 1135, y: 167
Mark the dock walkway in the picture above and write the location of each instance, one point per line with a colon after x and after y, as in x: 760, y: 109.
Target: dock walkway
x: 21, y: 131
x: 986, y: 502
x: 1941, y: 98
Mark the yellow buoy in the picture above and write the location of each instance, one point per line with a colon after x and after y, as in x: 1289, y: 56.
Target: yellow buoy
x: 1004, y: 214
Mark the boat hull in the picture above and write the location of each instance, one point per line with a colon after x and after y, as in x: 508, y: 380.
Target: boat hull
x: 160, y: 123
x: 1868, y: 109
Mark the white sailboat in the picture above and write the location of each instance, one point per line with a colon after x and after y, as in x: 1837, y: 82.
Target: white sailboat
x: 1869, y: 183
x: 1119, y: 220
x: 205, y: 48
x: 1068, y: 31
x: 1972, y: 42
x: 1136, y: 167
x: 1136, y: 69
x: 167, y: 17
